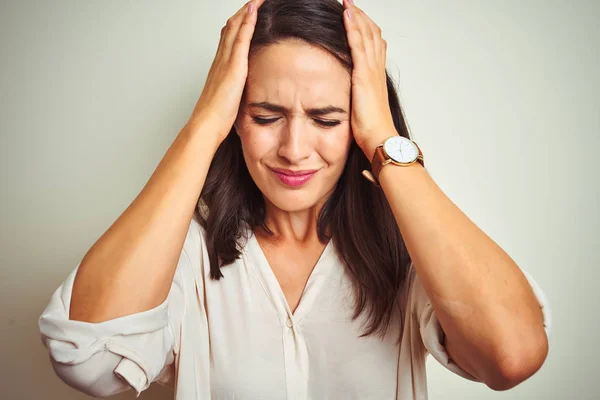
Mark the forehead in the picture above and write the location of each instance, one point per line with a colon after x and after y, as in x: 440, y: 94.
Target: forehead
x: 293, y: 71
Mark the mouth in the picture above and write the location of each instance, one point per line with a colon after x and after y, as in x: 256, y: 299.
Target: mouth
x: 294, y: 178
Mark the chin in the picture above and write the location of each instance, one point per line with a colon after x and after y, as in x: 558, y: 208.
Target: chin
x: 292, y: 200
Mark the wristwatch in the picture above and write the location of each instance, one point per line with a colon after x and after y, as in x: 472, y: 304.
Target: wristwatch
x: 396, y: 150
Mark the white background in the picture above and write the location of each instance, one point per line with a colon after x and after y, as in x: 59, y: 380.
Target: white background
x: 502, y: 96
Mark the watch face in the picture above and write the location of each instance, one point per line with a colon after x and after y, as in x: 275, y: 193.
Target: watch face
x: 401, y: 149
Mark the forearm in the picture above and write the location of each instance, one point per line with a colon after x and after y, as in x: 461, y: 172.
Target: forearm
x: 131, y: 267
x: 484, y: 303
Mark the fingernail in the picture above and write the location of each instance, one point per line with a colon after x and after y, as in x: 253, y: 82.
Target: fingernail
x: 250, y: 7
x: 351, y: 2
x: 349, y: 13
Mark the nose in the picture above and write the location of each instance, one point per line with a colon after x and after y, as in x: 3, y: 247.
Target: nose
x: 296, y: 141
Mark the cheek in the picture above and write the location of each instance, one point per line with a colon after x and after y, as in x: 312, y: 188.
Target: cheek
x: 257, y: 143
x: 334, y: 146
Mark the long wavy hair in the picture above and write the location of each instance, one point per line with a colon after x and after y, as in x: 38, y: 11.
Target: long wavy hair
x: 357, y: 215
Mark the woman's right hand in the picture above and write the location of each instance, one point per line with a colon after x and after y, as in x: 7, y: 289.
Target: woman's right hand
x: 219, y: 102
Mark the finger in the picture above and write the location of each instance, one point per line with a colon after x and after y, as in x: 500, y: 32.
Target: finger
x: 241, y: 44
x: 365, y: 32
x: 243, y: 28
x: 376, y: 34
x: 258, y: 3
x: 225, y: 31
x: 355, y: 38
x: 231, y: 29
x: 369, y: 23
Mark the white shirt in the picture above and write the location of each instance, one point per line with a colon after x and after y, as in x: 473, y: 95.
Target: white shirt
x: 237, y: 339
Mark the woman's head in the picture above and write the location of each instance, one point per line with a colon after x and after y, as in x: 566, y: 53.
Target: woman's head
x: 295, y: 113
x: 294, y: 123
x: 298, y: 89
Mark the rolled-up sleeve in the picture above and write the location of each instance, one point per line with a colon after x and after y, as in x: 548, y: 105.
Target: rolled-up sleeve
x: 102, y: 359
x: 431, y: 330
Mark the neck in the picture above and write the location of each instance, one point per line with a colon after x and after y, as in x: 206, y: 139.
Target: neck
x: 298, y: 227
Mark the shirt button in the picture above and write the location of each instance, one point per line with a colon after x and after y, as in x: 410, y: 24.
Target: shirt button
x: 289, y: 322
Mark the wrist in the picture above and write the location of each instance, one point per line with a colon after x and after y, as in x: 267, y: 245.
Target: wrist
x: 369, y: 145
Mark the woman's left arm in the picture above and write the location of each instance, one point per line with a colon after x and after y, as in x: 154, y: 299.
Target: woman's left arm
x: 491, y: 318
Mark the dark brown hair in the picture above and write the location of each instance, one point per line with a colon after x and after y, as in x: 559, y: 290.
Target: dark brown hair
x: 357, y: 214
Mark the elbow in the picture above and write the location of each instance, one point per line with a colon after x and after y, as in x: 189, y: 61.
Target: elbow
x: 516, y: 366
x: 88, y: 382
x: 94, y: 377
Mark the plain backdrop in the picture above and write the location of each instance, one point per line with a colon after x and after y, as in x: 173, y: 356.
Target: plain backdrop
x: 502, y: 96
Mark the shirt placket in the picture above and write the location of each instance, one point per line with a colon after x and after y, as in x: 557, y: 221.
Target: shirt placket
x: 296, y: 359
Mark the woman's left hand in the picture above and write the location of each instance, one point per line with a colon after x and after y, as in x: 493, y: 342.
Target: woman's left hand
x: 371, y: 118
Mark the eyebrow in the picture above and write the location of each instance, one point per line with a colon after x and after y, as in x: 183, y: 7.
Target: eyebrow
x: 311, y: 111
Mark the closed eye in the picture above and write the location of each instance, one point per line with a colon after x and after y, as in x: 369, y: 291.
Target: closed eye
x: 264, y: 121
x: 322, y: 122
x: 327, y: 123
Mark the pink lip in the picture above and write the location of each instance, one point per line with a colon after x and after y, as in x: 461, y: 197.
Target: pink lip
x: 294, y: 178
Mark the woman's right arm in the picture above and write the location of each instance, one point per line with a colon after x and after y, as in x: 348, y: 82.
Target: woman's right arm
x: 113, y: 323
x: 131, y: 267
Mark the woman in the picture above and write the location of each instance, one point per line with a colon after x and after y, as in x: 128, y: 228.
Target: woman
x: 291, y: 278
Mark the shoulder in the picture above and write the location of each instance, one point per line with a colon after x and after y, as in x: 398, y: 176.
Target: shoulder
x: 195, y: 248
x: 194, y: 245
x: 195, y: 237
x: 193, y: 257
x: 414, y: 296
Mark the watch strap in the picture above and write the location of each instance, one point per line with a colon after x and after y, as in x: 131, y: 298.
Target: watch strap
x: 379, y: 158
